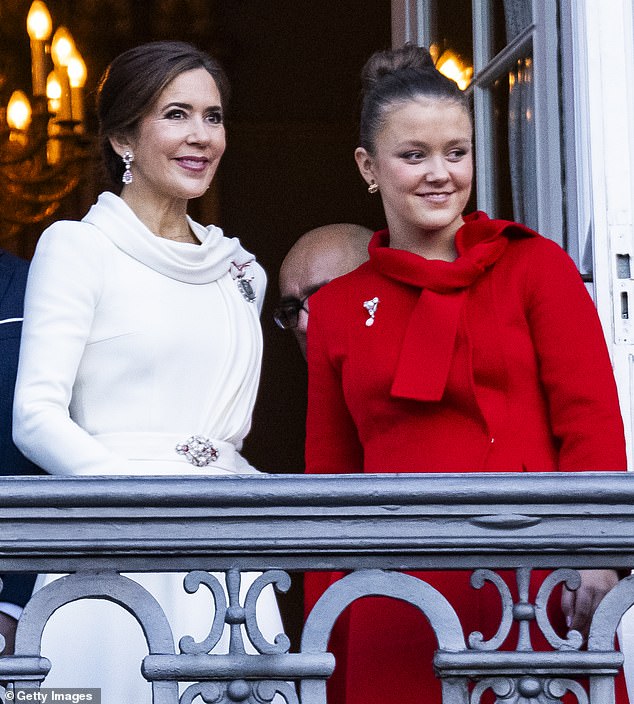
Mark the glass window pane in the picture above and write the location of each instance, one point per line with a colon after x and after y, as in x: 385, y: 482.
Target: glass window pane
x: 514, y: 145
x: 503, y: 205
x: 522, y: 146
x: 510, y: 18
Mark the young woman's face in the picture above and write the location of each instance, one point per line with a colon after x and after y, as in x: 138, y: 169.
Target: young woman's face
x: 423, y: 165
x: 178, y: 144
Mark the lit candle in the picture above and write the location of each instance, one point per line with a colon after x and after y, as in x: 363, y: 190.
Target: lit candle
x: 53, y: 144
x: 77, y: 75
x: 19, y: 111
x: 65, y: 112
x: 18, y: 117
x: 39, y: 26
x: 62, y: 49
x: 53, y: 93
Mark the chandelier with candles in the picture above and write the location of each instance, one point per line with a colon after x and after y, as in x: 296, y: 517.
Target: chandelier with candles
x: 43, y: 145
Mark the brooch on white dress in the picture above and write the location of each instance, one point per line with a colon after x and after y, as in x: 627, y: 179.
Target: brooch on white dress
x: 239, y: 273
x: 371, y: 307
x: 197, y: 450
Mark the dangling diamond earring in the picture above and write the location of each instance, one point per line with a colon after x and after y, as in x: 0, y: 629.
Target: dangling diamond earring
x: 128, y: 158
x: 373, y: 187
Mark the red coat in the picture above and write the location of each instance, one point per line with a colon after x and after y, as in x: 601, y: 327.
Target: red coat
x: 494, y: 362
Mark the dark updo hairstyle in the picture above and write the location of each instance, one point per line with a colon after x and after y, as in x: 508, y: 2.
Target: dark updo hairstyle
x: 397, y: 76
x: 133, y: 82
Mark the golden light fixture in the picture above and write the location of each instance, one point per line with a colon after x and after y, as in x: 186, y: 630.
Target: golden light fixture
x: 450, y: 64
x: 43, y: 148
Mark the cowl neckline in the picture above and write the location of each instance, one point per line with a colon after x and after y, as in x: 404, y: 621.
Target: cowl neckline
x: 429, y: 343
x: 479, y: 244
x: 189, y: 263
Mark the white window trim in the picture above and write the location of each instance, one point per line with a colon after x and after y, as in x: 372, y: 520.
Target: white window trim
x: 606, y: 56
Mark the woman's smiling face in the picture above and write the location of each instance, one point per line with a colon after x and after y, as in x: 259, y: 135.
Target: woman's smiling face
x: 422, y: 162
x: 177, y: 146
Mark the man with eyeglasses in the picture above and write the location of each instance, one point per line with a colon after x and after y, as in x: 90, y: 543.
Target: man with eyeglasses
x: 319, y: 256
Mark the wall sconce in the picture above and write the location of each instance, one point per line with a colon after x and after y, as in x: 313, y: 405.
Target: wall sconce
x: 43, y: 148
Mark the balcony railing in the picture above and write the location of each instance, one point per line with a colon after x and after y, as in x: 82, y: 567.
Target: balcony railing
x: 370, y: 525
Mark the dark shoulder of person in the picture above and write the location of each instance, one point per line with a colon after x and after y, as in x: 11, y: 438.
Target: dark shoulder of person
x: 13, y: 275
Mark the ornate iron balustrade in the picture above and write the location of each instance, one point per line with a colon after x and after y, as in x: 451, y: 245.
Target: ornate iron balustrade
x: 369, y: 524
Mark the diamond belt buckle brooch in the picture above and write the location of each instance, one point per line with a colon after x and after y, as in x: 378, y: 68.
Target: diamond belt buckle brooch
x: 198, y: 451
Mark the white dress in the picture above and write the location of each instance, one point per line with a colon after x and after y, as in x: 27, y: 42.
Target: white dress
x: 131, y: 344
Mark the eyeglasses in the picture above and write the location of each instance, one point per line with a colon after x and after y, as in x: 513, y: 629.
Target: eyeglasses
x: 286, y: 315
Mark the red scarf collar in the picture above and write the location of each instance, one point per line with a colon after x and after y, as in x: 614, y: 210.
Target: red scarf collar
x: 431, y: 332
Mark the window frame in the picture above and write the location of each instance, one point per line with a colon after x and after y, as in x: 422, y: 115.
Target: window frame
x: 536, y: 39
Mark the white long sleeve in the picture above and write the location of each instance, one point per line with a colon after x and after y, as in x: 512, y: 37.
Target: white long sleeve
x: 64, y: 285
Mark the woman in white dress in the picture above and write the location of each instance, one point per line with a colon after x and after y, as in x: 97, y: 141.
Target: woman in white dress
x: 142, y: 331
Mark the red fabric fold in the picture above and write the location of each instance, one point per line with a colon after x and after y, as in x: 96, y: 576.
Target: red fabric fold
x: 425, y: 358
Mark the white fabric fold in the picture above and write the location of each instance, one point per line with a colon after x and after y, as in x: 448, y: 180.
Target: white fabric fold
x: 191, y: 263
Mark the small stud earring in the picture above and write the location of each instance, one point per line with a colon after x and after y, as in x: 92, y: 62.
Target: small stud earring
x: 373, y: 187
x: 128, y: 158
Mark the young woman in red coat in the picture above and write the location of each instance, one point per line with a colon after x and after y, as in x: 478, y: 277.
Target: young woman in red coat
x: 463, y: 344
